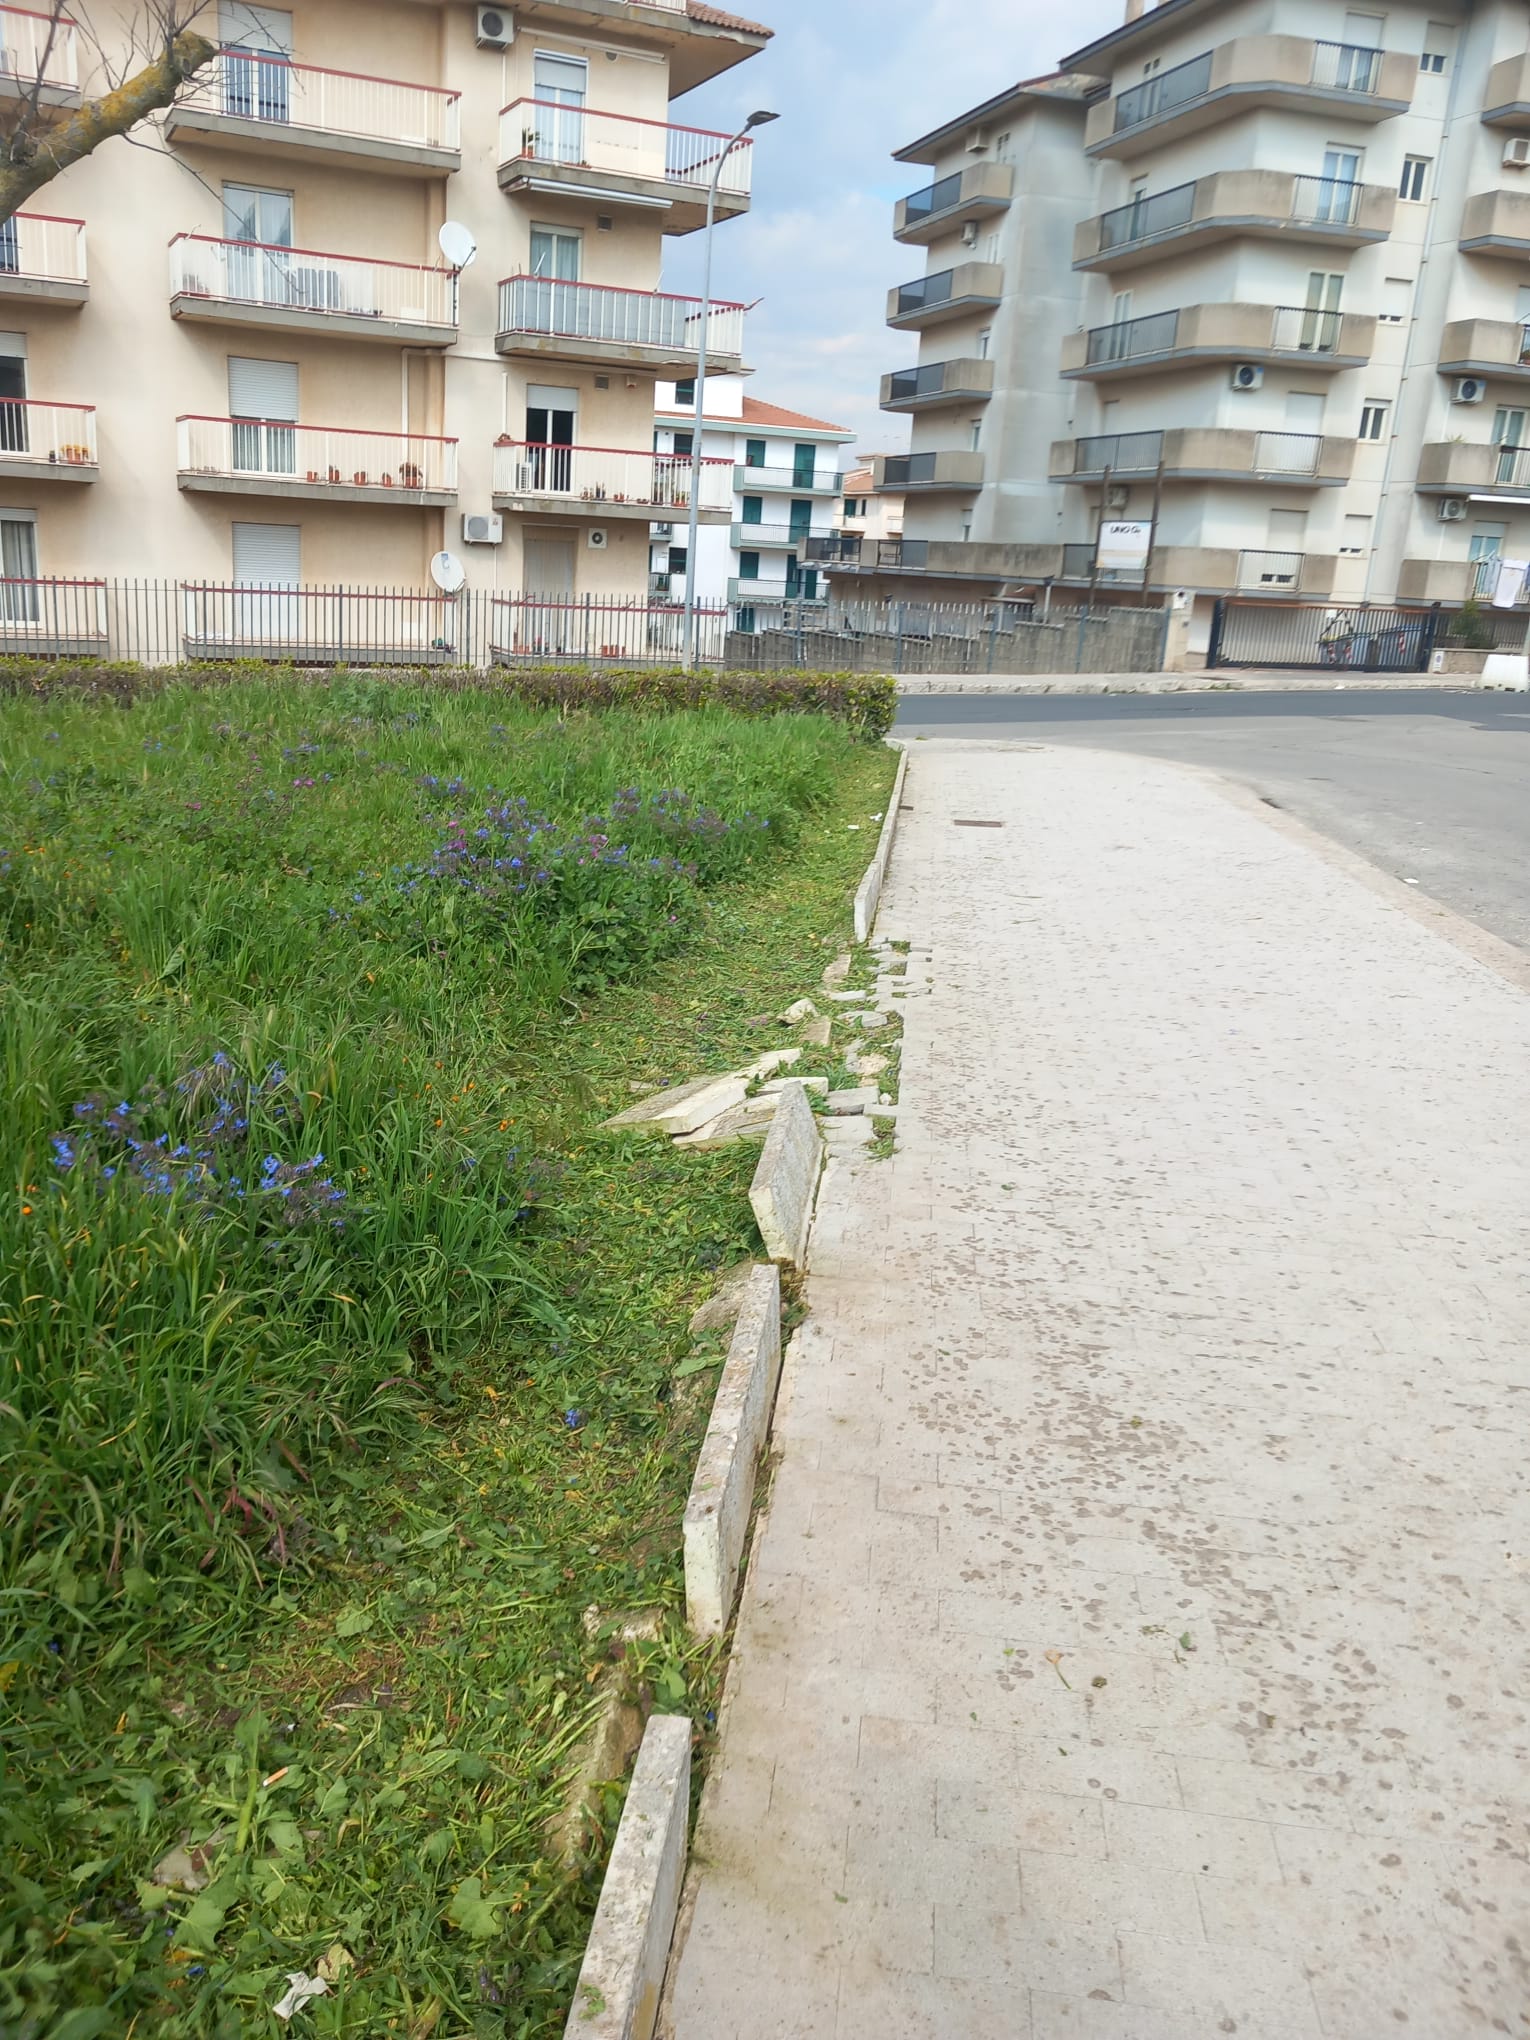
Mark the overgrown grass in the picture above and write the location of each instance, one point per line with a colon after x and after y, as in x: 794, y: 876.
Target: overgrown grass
x: 313, y: 1467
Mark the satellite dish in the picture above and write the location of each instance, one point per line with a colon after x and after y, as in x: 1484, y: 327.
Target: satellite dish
x: 457, y: 244
x: 448, y: 572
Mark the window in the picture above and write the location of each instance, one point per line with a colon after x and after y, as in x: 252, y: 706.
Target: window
x: 1415, y: 175
x: 1432, y: 60
x: 1355, y: 540
x: 749, y: 566
x: 1151, y: 66
x: 1439, y: 40
x: 685, y: 444
x: 753, y: 510
x: 679, y: 555
x: 13, y: 393
x: 966, y: 529
x: 555, y: 253
x: 754, y: 453
x: 1373, y: 421
x: 560, y: 85
x: 255, y: 81
x: 984, y: 340
x: 18, y: 566
x: 1508, y: 426
x: 685, y: 392
x: 977, y: 435
x: 1396, y: 294
x: 263, y: 402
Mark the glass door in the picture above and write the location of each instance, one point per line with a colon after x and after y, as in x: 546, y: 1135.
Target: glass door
x: 260, y: 224
x: 550, y: 443
x: 1320, y: 321
x: 13, y: 403
x: 804, y: 464
x: 1336, y: 192
x: 257, y: 63
x: 560, y: 85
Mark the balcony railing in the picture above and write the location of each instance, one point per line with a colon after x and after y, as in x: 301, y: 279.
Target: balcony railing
x: 1326, y: 201
x: 303, y: 280
x: 1345, y: 67
x: 248, y: 85
x: 746, y: 536
x: 926, y: 291
x: 621, y: 318
x: 1121, y: 452
x: 622, y: 145
x: 38, y: 48
x: 1270, y: 570
x: 315, y: 456
x: 1287, y: 453
x: 1513, y: 467
x: 529, y: 627
x: 318, y: 624
x: 801, y: 481
x: 1296, y: 329
x: 1335, y: 67
x: 62, y: 435
x: 40, y: 246
x: 610, y: 476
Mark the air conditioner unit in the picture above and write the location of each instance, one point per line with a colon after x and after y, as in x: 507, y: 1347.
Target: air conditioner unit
x: 487, y: 528
x: 969, y: 233
x: 496, y: 28
x: 977, y: 141
x: 1453, y: 509
x: 597, y: 539
x: 1516, y: 154
x: 1116, y: 496
x: 1248, y: 375
x: 1469, y: 389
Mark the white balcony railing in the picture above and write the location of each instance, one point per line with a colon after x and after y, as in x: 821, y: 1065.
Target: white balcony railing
x: 1287, y: 453
x: 52, y: 611
x: 531, y: 627
x: 303, y: 280
x: 625, y: 318
x: 39, y: 48
x: 39, y: 245
x: 62, y: 434
x: 321, y: 623
x: 603, y: 474
x: 247, y: 85
x: 328, y: 456
x: 621, y: 145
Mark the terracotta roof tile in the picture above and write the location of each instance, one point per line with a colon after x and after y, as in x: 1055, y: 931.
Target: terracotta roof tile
x: 757, y: 413
x: 714, y: 17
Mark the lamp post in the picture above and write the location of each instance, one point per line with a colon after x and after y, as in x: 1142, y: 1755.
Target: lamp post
x: 755, y: 120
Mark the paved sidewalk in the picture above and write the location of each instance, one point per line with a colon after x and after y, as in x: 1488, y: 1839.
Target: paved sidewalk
x: 1135, y: 1648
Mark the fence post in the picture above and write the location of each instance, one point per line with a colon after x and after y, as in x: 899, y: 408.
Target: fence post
x: 898, y: 637
x: 993, y: 635
x: 1214, y: 643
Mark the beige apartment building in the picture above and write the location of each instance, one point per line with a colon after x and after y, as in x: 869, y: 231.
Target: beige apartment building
x: 239, y: 357
x: 1259, y: 266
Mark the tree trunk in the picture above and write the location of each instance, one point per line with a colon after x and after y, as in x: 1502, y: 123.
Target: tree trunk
x: 76, y: 133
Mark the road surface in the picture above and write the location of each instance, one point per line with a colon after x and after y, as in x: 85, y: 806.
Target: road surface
x: 1433, y: 787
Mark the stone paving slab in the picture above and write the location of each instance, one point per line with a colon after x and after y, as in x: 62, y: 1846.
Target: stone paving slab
x: 1135, y: 1645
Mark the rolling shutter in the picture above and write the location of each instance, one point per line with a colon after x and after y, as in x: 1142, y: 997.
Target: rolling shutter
x: 262, y: 389
x: 267, y: 555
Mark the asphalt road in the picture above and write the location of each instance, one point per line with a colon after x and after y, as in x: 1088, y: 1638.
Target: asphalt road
x: 1433, y: 787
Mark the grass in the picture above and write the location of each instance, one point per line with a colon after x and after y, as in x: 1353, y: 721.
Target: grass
x: 303, y: 1523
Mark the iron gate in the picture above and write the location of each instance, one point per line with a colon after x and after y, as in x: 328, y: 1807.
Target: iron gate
x: 1361, y: 640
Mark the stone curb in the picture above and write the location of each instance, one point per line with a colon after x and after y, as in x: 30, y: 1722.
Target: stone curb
x: 869, y: 895
x: 787, y: 1177
x: 717, y: 1513
x: 1243, y: 682
x: 617, y: 1996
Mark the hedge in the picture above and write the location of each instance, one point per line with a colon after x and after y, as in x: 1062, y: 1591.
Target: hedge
x: 868, y: 702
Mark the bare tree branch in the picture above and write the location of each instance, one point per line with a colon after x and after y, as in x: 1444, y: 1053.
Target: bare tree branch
x: 41, y: 134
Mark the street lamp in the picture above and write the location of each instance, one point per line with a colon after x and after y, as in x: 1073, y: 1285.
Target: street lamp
x: 755, y: 120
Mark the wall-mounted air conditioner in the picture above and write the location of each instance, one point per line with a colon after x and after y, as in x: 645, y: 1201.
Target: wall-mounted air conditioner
x: 1452, y: 509
x: 1516, y: 154
x: 496, y: 28
x: 482, y: 528
x: 1116, y: 496
x: 597, y: 539
x: 1469, y: 389
x: 969, y: 233
x: 1248, y: 375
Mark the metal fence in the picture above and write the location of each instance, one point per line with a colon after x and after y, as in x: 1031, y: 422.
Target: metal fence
x: 997, y: 636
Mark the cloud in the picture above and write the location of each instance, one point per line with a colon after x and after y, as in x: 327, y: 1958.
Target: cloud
x: 852, y: 80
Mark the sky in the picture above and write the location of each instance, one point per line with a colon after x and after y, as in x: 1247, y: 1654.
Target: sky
x: 852, y: 80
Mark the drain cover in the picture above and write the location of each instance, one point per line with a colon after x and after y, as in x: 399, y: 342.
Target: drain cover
x: 977, y: 825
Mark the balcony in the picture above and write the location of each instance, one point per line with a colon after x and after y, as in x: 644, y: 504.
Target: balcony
x: 316, y: 463
x: 1506, y: 102
x: 936, y: 383
x: 598, y: 323
x: 950, y: 294
x: 803, y: 587
x: 926, y: 474
x: 615, y: 159
x: 42, y: 259
x: 1227, y: 332
x: 53, y: 618
x: 1326, y: 212
x: 1496, y: 223
x: 252, y: 104
x: 769, y: 537
x: 319, y: 626
x: 39, y: 53
x: 1206, y: 453
x: 1486, y: 347
x: 1446, y: 580
x: 602, y: 482
x: 1288, y: 72
x: 700, y: 44
x: 535, y: 629
x: 1455, y: 467
x: 1210, y: 570
x: 945, y: 558
x: 795, y: 480
x: 978, y: 193
x: 253, y: 283
x: 47, y: 442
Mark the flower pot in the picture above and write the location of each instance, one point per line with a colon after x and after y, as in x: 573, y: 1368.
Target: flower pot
x: 334, y: 474
x: 387, y: 481
x: 313, y: 474
x: 410, y: 477
x: 360, y: 478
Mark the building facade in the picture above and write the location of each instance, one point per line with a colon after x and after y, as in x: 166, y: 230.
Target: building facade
x: 307, y: 391
x: 868, y: 515
x: 783, y: 472
x: 1253, y: 270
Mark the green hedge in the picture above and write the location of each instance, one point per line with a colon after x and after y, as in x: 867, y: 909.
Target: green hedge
x: 868, y: 702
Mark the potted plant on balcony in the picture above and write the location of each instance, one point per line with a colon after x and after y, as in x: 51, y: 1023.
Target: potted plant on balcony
x: 313, y: 475
x: 334, y: 474
x: 75, y: 455
x: 386, y: 480
x: 361, y: 479
x: 410, y: 476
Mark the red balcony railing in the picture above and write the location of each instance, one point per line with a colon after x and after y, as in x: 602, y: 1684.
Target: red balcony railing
x: 42, y: 246
x: 62, y: 434
x: 39, y: 48
x: 601, y: 474
x: 304, y: 280
x: 251, y: 85
x: 549, y: 306
x: 621, y: 144
x: 330, y: 456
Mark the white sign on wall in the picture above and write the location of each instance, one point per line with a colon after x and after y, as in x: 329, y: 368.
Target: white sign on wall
x: 1123, y: 548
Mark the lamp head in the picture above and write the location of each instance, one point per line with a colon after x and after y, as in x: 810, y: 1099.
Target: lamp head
x: 759, y: 120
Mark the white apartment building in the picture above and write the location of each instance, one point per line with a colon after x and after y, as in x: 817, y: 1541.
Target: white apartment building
x: 1260, y: 263
x: 239, y: 355
x: 783, y: 471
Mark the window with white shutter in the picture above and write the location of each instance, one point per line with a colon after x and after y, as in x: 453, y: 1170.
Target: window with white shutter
x: 267, y: 555
x: 262, y: 389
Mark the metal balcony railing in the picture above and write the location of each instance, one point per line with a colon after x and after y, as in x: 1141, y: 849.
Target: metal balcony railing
x: 1326, y: 201
x: 1270, y: 569
x: 64, y: 435
x: 40, y: 245
x: 835, y: 548
x: 1513, y: 467
x: 302, y: 279
x: 529, y: 627
x: 330, y: 456
x: 908, y: 470
x: 1162, y: 94
x: 1145, y: 218
x: 39, y: 48
x: 746, y: 536
x: 318, y: 623
x: 926, y: 381
x: 622, y: 145
x: 52, y: 612
x: 816, y: 481
x: 1345, y: 67
x: 1299, y: 329
x: 1128, y: 337
x: 252, y: 85
x: 1287, y: 453
x: 625, y: 318
x: 925, y: 291
x: 1130, y: 452
x: 934, y: 198
x: 604, y: 474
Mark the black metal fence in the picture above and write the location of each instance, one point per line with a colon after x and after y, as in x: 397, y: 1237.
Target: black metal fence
x: 994, y: 637
x: 1360, y: 639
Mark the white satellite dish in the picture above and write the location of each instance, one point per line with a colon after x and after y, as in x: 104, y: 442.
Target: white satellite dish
x: 457, y: 244
x: 448, y: 572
